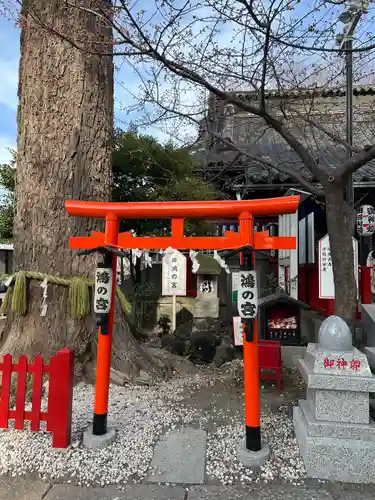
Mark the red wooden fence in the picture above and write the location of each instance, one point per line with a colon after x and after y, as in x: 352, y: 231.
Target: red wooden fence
x: 60, y: 395
x: 308, y: 289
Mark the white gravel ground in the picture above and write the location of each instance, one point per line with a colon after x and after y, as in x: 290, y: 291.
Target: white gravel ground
x: 285, y: 462
x: 141, y: 415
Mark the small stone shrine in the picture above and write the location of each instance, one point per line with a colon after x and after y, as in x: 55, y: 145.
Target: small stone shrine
x: 333, y: 426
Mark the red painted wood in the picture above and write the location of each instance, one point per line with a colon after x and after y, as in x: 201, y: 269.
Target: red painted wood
x: 311, y: 292
x: 93, y: 241
x: 37, y: 369
x: 231, y: 240
x: 5, y: 391
x: 270, y: 359
x: 330, y: 307
x: 183, y: 209
x: 52, y: 403
x: 19, y: 419
x: 366, y: 294
x: 177, y: 227
x: 43, y: 415
x: 60, y: 398
x: 309, y: 273
x: 59, y: 414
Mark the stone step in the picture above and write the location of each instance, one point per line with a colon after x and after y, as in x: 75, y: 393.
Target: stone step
x: 342, y: 430
x: 334, y: 459
x: 180, y: 457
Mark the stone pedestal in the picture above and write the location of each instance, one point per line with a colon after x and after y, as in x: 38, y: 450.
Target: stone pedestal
x: 333, y: 426
x: 253, y: 459
x: 90, y: 440
x: 370, y: 353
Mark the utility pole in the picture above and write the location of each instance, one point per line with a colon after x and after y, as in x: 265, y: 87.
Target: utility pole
x: 349, y: 113
x: 350, y: 18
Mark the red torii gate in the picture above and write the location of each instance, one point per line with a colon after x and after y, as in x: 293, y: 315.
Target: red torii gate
x: 245, y: 240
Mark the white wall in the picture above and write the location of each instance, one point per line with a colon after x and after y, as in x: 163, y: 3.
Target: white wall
x: 288, y: 226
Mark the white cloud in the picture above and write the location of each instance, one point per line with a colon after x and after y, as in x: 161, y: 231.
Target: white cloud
x: 5, y: 146
x: 139, y: 89
x: 9, y: 83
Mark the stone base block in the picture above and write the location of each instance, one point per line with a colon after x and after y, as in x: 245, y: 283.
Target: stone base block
x: 92, y: 441
x: 337, y: 458
x: 332, y: 382
x: 339, y: 406
x: 253, y: 458
x: 343, y: 430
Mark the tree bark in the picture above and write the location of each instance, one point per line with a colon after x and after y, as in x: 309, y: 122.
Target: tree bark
x: 65, y: 125
x: 340, y: 224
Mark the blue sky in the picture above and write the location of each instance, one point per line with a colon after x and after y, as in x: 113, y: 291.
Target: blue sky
x: 9, y: 57
x: 127, y: 82
x: 127, y: 85
x: 9, y: 60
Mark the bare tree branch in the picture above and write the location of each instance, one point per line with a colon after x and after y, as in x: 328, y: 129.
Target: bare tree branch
x: 267, y: 35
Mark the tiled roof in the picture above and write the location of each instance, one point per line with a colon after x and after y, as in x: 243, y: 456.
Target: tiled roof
x: 358, y: 90
x: 251, y: 134
x: 332, y: 157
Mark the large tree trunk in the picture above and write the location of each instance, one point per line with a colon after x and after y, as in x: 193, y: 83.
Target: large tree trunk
x: 340, y: 224
x: 65, y: 124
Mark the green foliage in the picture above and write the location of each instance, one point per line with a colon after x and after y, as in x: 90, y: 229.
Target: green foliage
x: 8, y: 175
x: 7, y: 183
x: 143, y: 300
x: 6, y: 222
x: 145, y: 170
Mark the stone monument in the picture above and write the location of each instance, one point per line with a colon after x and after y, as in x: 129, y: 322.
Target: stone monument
x: 333, y: 427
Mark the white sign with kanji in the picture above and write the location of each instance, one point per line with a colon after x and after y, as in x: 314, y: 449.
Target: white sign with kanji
x: 247, y: 300
x: 326, y: 283
x: 174, y: 274
x: 103, y: 290
x: 237, y: 331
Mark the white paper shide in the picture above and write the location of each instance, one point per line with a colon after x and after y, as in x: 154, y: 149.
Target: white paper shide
x: 44, y: 307
x: 174, y: 274
x: 247, y: 301
x: 237, y: 331
x: 103, y: 290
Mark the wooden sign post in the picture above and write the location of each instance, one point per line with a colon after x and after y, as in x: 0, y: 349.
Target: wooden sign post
x: 174, y: 279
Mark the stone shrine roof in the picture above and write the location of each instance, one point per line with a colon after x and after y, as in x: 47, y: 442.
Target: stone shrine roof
x: 208, y: 265
x: 282, y: 297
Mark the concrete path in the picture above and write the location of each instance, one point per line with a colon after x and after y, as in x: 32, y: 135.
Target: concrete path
x: 28, y: 489
x: 22, y: 489
x: 180, y: 457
